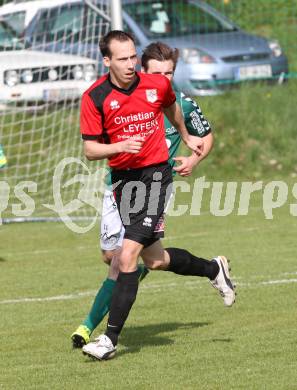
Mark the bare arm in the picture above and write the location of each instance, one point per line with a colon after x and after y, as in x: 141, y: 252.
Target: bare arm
x: 175, y: 116
x: 207, y: 146
x: 187, y: 164
x: 96, y: 151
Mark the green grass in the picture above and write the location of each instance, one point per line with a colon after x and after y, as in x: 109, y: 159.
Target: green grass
x: 179, y: 335
x: 254, y: 130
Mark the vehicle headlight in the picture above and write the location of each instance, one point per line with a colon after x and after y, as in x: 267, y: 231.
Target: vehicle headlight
x: 196, y: 56
x: 275, y: 48
x: 90, y: 73
x: 12, y: 78
x: 78, y: 72
x: 27, y: 76
x: 52, y: 74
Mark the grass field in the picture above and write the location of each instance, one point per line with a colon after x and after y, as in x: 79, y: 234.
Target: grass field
x: 179, y: 335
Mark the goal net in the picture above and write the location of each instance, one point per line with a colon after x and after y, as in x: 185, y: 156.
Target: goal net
x: 43, y: 174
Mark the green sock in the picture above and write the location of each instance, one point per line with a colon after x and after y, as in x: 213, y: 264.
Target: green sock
x: 101, y: 305
x: 143, y: 271
x: 102, y: 300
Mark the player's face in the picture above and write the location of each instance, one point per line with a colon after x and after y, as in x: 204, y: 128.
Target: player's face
x: 122, y: 63
x: 161, y: 67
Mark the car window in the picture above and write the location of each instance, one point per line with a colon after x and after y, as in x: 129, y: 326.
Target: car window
x: 8, y: 38
x: 167, y: 18
x: 59, y: 23
x: 16, y: 20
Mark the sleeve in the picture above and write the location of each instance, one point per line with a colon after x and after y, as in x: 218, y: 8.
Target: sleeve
x: 169, y: 95
x: 195, y: 122
x: 90, y: 120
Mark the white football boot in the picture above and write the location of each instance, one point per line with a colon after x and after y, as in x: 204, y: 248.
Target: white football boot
x: 102, y: 348
x: 223, y: 282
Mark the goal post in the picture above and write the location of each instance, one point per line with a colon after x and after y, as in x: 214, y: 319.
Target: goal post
x: 43, y: 173
x: 116, y: 15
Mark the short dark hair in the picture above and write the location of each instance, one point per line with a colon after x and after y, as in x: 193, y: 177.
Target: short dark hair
x: 118, y: 35
x: 159, y: 51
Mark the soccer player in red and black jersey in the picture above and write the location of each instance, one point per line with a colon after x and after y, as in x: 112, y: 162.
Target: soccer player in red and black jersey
x: 122, y: 120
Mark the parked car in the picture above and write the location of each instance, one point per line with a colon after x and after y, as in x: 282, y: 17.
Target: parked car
x: 18, y: 14
x: 30, y: 75
x: 214, y: 52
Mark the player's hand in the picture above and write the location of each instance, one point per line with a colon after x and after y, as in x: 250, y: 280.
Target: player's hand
x: 130, y: 146
x: 186, y: 166
x: 195, y: 144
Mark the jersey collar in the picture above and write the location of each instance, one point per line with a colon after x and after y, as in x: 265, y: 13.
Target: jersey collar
x: 128, y: 91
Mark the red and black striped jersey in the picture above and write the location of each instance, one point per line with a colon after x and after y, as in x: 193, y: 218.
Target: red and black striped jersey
x: 110, y: 114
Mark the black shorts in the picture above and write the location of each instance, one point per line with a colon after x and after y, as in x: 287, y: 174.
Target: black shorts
x: 141, y: 196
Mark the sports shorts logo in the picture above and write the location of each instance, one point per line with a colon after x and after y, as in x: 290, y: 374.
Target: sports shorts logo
x: 147, y: 222
x: 114, y: 104
x: 151, y: 95
x: 160, y: 226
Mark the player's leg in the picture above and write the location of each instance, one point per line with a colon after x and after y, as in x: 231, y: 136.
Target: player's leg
x: 179, y: 261
x: 182, y: 262
x: 101, y: 303
x: 112, y: 233
x: 124, y: 295
x: 111, y: 237
x: 216, y: 270
x: 142, y: 229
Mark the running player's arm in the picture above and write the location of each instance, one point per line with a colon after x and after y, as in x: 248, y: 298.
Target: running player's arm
x: 174, y: 114
x: 198, y: 126
x: 188, y: 163
x: 96, y: 151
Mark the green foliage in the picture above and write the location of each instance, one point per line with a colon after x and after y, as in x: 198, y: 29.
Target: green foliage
x: 255, y: 132
x: 250, y: 14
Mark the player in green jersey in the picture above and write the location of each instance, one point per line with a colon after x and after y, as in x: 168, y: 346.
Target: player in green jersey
x: 3, y: 160
x: 160, y: 59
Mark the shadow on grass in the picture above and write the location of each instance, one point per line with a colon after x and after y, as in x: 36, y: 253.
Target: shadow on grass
x: 2, y: 259
x: 137, y: 337
x: 227, y: 340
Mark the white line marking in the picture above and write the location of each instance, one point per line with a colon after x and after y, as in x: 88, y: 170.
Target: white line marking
x: 282, y: 281
x: 48, y: 299
x: 150, y: 287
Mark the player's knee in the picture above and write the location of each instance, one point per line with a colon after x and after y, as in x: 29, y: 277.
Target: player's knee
x: 107, y: 256
x: 128, y: 253
x: 156, y: 265
x: 128, y: 259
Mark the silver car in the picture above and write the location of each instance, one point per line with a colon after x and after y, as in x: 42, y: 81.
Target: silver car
x: 214, y: 52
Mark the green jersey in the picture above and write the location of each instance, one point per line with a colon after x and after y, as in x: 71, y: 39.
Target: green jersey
x: 195, y: 123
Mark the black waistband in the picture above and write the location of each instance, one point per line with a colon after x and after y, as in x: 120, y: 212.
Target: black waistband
x: 163, y: 163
